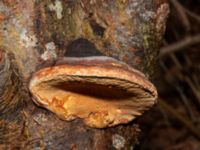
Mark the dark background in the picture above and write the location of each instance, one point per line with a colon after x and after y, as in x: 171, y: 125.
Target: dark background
x: 174, y: 123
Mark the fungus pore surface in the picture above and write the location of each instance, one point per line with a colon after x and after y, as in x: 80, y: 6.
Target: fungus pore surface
x: 100, y: 90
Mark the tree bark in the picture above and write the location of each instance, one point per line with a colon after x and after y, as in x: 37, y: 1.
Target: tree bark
x: 37, y: 33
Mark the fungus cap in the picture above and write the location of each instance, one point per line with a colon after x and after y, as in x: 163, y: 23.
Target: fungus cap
x: 100, y: 90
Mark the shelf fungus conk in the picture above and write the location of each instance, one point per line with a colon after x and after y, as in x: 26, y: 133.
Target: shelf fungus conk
x: 101, y: 91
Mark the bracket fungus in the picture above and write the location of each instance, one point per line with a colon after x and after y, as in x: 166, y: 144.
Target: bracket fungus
x: 100, y: 90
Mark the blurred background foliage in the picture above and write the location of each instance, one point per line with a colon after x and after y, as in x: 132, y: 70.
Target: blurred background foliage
x: 174, y: 123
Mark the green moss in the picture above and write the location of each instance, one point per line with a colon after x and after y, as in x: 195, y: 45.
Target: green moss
x: 150, y: 47
x: 64, y: 28
x: 146, y: 35
x: 87, y: 31
x: 120, y: 3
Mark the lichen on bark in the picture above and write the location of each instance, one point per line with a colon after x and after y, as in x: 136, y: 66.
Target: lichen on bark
x: 126, y: 30
x: 35, y: 32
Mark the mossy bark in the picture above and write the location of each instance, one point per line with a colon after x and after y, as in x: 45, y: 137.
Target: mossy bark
x: 36, y: 32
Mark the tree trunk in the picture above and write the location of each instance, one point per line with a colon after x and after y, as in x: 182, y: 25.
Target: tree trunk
x: 38, y: 34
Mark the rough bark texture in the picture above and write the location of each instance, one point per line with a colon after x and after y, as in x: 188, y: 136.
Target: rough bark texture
x: 34, y: 33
